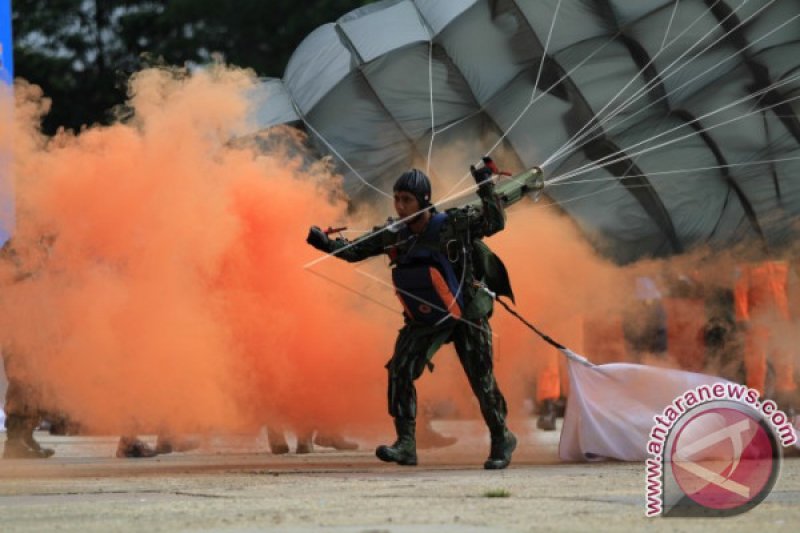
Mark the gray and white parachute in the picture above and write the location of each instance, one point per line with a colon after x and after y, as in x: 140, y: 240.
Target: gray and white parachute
x: 660, y: 124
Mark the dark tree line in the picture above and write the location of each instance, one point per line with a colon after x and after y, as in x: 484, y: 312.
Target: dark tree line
x: 81, y: 52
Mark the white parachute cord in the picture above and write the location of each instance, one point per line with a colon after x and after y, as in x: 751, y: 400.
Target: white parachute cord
x: 522, y: 209
x: 573, y: 143
x: 576, y: 172
x: 597, y: 164
x: 589, y: 168
x: 645, y: 89
x: 433, y: 119
x: 421, y: 300
x: 343, y: 160
x: 567, y: 146
x: 597, y: 50
x: 578, y: 137
x: 601, y: 163
x: 464, y: 192
x: 527, y: 107
x: 584, y: 142
x: 669, y: 24
x: 535, y: 84
x: 666, y: 173
x: 615, y: 179
x: 354, y: 291
x: 630, y: 117
x: 544, y: 93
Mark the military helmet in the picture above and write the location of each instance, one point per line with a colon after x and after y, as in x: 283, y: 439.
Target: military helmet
x: 417, y: 183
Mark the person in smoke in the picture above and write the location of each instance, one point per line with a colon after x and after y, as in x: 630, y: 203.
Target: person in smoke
x: 645, y: 322
x: 22, y: 403
x: 23, y: 414
x: 763, y: 309
x: 439, y: 265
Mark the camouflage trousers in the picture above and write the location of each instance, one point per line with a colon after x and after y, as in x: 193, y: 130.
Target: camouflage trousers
x: 416, y: 346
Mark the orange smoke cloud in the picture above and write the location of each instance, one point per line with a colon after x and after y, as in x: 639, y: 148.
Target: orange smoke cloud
x: 172, y: 295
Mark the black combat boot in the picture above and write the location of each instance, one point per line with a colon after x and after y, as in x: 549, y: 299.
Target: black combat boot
x: 503, y: 445
x: 547, y: 416
x: 20, y: 443
x: 404, y: 450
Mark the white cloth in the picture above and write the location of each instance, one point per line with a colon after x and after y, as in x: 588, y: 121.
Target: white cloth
x: 610, y: 408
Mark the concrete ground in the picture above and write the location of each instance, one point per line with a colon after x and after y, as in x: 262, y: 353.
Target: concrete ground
x: 233, y: 484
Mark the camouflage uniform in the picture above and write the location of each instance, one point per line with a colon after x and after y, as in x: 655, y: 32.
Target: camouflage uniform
x: 417, y: 343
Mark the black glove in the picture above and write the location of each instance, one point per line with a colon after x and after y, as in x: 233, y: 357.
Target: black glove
x: 485, y: 172
x: 318, y: 239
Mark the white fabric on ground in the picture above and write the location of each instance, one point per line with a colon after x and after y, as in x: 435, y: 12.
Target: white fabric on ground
x: 610, y: 408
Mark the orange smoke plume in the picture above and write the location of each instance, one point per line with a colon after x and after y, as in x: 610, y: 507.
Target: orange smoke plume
x: 167, y: 290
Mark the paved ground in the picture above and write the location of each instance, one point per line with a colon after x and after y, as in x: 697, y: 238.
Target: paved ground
x: 232, y: 485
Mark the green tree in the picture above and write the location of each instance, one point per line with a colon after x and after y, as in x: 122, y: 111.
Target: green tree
x: 81, y: 52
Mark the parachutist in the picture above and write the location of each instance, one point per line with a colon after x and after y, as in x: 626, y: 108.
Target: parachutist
x: 441, y: 298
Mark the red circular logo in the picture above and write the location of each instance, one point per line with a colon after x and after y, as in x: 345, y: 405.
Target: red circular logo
x: 723, y: 458
x: 425, y: 309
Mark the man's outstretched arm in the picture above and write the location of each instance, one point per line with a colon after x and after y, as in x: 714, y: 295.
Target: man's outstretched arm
x: 362, y: 248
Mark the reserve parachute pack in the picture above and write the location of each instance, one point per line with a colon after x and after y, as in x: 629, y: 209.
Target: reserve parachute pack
x: 425, y: 280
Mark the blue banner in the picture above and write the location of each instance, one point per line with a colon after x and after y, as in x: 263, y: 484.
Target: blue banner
x: 6, y: 110
x: 6, y: 44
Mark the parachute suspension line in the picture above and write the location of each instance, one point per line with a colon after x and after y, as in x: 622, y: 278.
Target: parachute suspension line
x: 601, y: 163
x: 535, y: 84
x: 669, y: 25
x: 723, y: 108
x: 563, y: 202
x: 422, y: 300
x: 433, y: 120
x: 584, y: 142
x: 630, y: 117
x: 581, y: 170
x: 573, y: 143
x: 354, y: 291
x: 638, y: 94
x: 541, y: 95
x: 670, y: 71
x: 446, y: 197
x: 471, y: 115
x: 680, y: 171
x: 569, y: 145
x: 343, y: 160
x: 557, y: 179
x: 531, y: 101
x: 554, y: 85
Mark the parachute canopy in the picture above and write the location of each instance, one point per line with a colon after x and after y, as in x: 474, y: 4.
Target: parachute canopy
x: 661, y: 125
